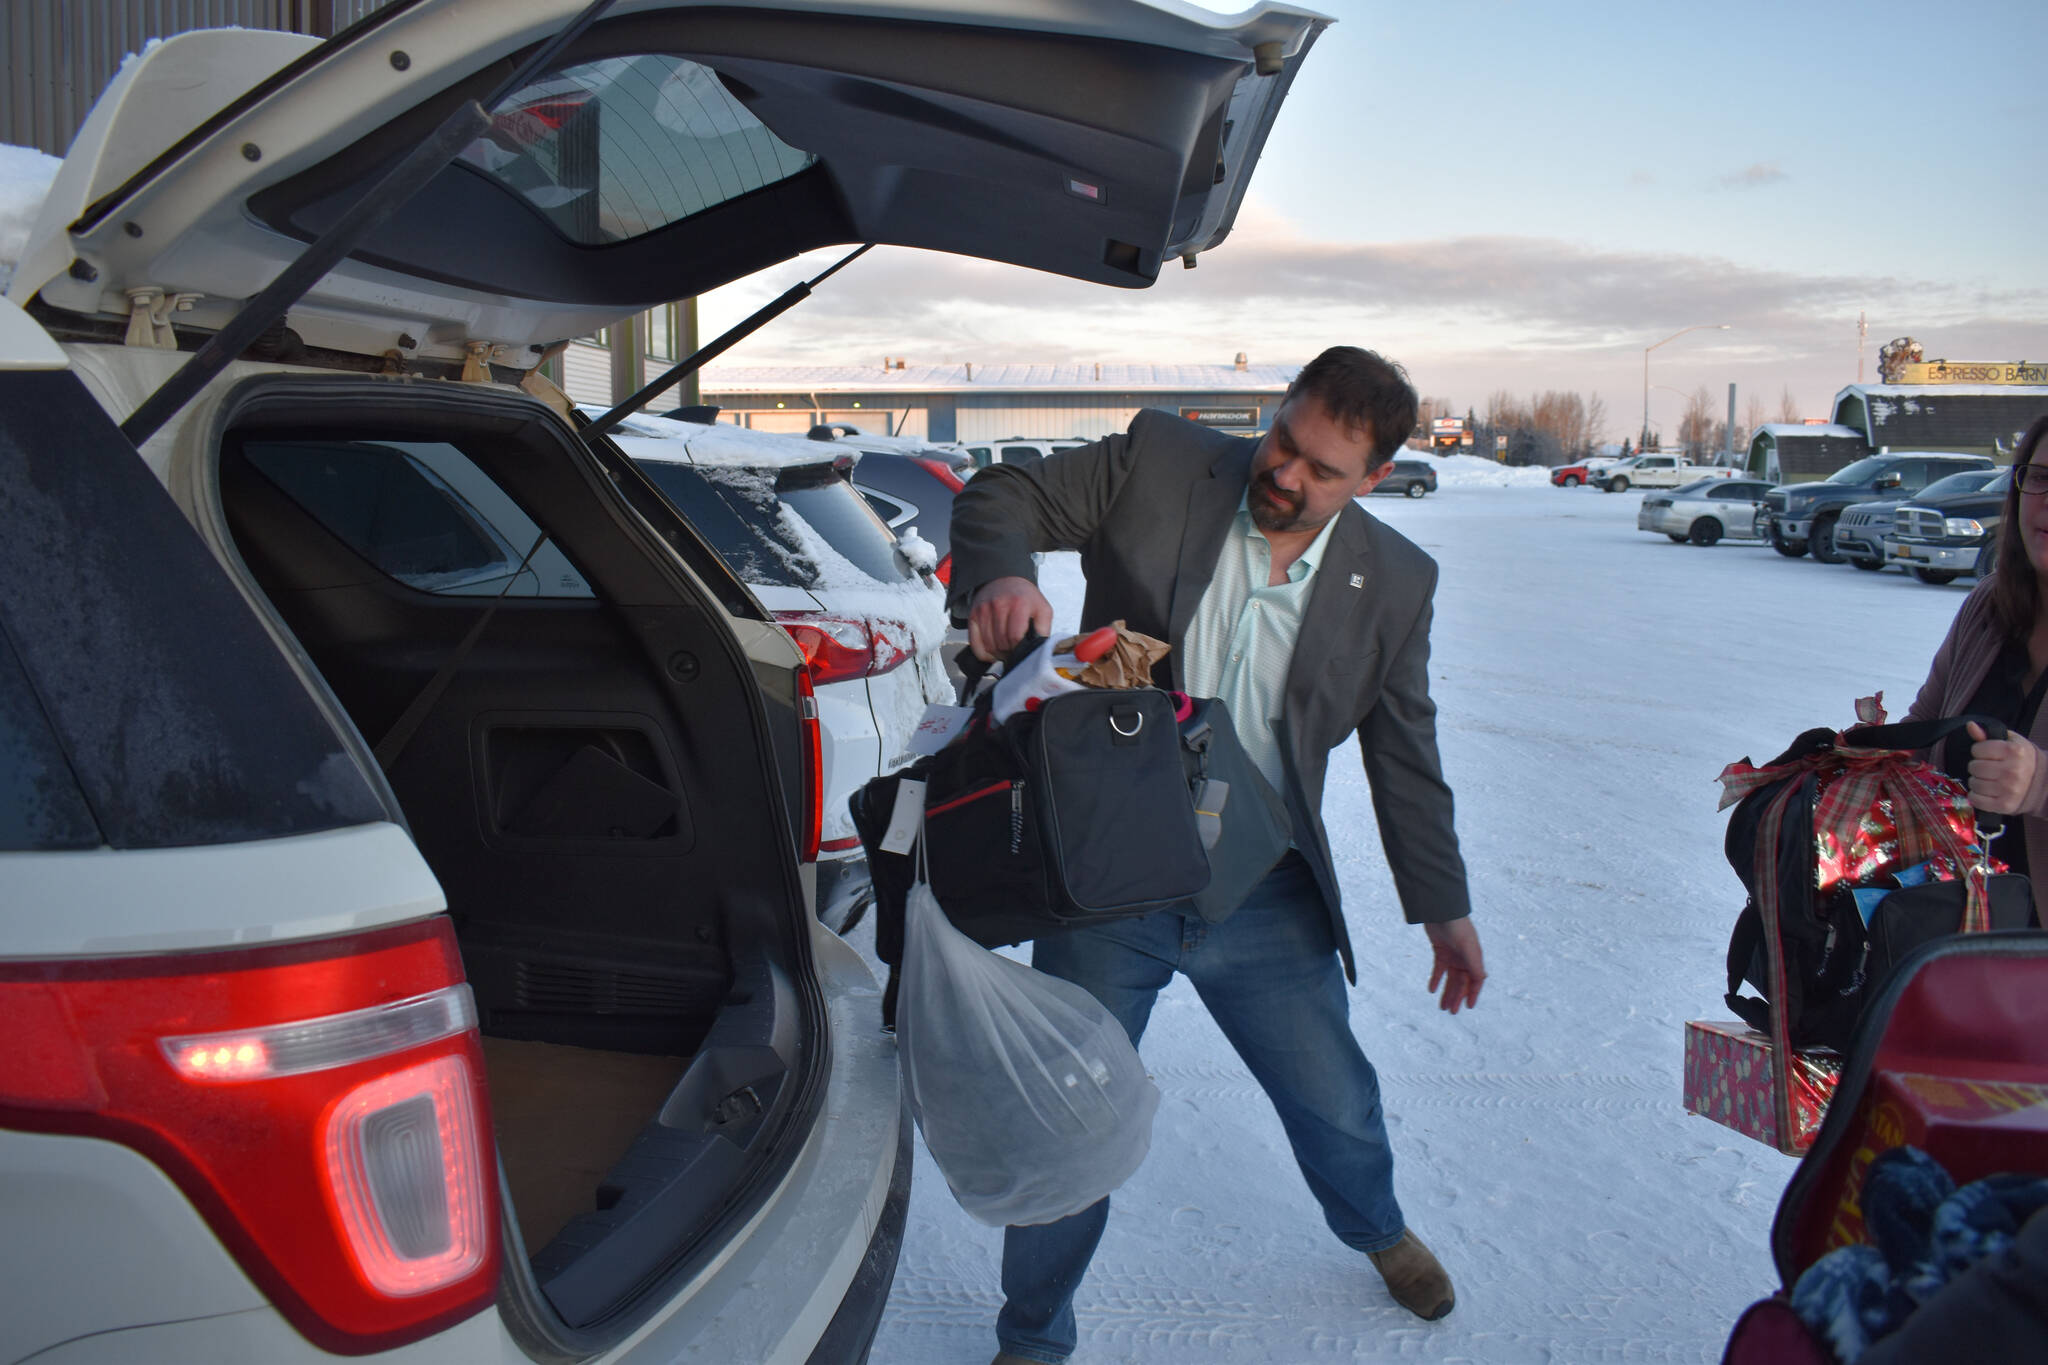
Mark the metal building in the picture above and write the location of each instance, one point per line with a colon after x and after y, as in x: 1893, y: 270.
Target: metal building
x: 1963, y: 419
x: 964, y: 402
x: 59, y: 54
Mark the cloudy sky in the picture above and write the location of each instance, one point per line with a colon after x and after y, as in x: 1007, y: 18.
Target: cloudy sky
x: 1525, y: 196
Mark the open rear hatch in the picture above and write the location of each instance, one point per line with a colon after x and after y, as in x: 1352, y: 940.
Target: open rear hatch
x: 672, y: 148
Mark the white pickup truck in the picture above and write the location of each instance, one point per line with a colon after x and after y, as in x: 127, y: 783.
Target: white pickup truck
x: 1659, y: 471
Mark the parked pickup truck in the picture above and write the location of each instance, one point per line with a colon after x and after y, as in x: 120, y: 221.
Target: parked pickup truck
x: 1802, y: 516
x: 1942, y: 536
x: 1660, y: 471
x: 1861, y: 529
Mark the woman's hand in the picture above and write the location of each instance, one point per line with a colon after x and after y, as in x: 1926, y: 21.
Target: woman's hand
x: 2002, y: 771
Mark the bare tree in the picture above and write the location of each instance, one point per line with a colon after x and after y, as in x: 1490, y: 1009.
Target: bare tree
x: 1545, y: 428
x: 1754, y: 415
x: 1788, y: 406
x: 1696, y: 425
x: 1503, y: 409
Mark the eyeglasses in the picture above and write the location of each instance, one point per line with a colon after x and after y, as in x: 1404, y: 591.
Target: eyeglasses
x: 2032, y: 478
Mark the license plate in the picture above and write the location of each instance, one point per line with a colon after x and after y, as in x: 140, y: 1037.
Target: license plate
x: 1902, y: 552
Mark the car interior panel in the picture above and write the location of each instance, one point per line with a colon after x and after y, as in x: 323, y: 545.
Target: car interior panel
x: 624, y: 948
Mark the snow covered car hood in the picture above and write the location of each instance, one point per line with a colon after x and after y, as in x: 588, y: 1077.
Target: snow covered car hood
x: 673, y: 147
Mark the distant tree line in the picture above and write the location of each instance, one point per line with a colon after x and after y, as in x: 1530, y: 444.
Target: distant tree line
x: 1549, y: 428
x: 1558, y: 427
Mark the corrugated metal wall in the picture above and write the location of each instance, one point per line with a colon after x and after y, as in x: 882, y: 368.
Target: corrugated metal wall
x: 59, y: 54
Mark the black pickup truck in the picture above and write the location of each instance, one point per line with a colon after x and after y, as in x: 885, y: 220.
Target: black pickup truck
x: 1944, y: 536
x: 1802, y: 516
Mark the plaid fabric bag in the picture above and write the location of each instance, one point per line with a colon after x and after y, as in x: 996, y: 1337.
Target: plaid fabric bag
x: 1854, y: 850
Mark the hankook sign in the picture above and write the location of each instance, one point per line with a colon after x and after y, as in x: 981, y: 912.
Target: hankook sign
x: 1222, y: 417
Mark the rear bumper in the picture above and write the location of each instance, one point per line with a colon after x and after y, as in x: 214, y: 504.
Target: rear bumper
x: 851, y: 1334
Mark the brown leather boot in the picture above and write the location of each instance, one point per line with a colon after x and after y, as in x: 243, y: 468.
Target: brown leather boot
x: 1414, y: 1278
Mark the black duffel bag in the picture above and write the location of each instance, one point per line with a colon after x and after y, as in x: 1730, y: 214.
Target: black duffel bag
x: 1074, y: 813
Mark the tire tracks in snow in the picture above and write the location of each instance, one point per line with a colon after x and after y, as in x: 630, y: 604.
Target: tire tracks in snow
x: 1407, y: 1090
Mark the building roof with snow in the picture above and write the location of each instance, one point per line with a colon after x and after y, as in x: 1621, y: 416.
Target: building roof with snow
x: 1798, y: 452
x: 970, y: 377
x: 1974, y: 419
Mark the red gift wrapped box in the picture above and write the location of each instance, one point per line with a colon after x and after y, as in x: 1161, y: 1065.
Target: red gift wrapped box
x: 1728, y: 1079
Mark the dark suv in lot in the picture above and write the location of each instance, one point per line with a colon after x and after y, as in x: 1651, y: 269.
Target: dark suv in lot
x: 1410, y: 478
x: 1802, y: 517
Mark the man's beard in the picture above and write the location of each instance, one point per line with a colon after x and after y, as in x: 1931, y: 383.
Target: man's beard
x: 1278, y: 512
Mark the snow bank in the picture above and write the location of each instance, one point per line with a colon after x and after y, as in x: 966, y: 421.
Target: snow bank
x: 1469, y: 471
x: 25, y: 176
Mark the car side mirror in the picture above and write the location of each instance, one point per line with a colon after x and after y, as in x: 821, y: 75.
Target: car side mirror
x: 1888, y: 481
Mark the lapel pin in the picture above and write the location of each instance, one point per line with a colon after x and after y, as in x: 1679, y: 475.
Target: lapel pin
x: 1358, y: 580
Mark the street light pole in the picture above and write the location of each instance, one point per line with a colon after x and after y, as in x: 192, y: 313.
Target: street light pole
x: 1696, y: 327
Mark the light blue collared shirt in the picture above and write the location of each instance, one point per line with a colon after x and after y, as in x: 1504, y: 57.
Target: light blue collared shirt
x: 1240, y: 643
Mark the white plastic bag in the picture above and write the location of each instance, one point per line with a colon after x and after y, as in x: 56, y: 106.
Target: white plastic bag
x: 1028, y: 1092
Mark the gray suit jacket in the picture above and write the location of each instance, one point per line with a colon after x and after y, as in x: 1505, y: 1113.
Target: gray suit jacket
x: 1148, y: 510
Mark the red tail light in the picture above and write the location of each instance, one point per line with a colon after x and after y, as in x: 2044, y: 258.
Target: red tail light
x: 321, y: 1104
x: 813, y: 826
x: 841, y: 648
x: 942, y: 470
x: 944, y: 573
x: 528, y: 123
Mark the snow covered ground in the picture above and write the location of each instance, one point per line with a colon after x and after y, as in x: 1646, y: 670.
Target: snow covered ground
x: 1592, y: 680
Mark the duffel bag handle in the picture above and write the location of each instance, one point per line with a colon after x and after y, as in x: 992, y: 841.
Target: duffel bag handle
x: 973, y: 668
x: 1925, y: 734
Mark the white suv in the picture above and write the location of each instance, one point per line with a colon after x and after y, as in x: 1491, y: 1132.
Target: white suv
x: 405, y: 944
x: 862, y: 606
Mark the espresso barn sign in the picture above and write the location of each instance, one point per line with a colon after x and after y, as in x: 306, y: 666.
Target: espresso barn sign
x: 1222, y: 417
x: 1972, y: 372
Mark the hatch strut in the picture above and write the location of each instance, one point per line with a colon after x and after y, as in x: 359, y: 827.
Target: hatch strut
x: 704, y: 355
x: 462, y: 127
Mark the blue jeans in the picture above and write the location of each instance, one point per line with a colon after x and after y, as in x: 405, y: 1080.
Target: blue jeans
x: 1270, y: 977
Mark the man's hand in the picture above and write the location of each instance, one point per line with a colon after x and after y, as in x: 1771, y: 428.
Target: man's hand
x: 2001, y: 771
x: 1004, y: 608
x: 1458, y: 966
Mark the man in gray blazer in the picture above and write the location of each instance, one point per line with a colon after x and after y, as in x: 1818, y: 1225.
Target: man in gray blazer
x: 1310, y: 619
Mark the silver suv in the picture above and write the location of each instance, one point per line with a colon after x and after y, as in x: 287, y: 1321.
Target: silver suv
x: 405, y: 816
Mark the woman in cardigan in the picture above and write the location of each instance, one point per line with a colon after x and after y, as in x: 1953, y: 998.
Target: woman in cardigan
x: 1995, y: 663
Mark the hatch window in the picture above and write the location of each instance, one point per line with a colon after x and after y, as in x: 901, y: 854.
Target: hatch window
x: 422, y: 512
x: 611, y: 149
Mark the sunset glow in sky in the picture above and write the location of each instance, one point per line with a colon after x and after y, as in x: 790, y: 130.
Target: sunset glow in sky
x: 1524, y: 196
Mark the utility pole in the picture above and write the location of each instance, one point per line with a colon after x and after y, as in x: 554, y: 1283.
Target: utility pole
x: 1728, y: 437
x: 1862, y: 330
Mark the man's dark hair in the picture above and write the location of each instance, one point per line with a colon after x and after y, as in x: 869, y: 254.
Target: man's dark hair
x: 2015, y: 592
x: 1362, y: 388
